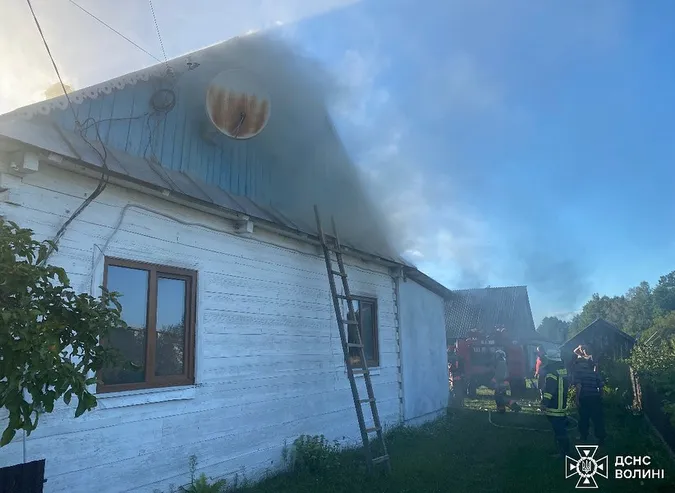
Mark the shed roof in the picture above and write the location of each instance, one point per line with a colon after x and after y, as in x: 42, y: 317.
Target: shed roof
x: 484, y: 309
x: 598, y: 325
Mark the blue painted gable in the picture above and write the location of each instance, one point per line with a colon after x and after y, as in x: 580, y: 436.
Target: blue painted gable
x: 174, y: 139
x: 297, y: 160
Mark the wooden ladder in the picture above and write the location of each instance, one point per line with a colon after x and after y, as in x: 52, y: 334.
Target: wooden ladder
x: 352, y: 320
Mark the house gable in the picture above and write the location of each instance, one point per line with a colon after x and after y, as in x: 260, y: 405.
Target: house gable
x: 295, y: 162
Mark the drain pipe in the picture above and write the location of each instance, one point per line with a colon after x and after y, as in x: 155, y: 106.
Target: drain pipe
x: 397, y: 274
x: 25, y: 394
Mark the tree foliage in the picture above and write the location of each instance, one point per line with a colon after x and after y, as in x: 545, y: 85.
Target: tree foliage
x: 49, y: 335
x: 635, y: 312
x: 654, y: 361
x: 649, y: 315
x: 611, y: 309
x: 554, y: 328
x: 664, y: 294
x: 640, y: 311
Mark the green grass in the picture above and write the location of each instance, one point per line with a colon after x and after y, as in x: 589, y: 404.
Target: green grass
x: 463, y: 452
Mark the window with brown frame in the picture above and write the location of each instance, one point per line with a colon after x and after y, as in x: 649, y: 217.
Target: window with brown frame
x: 159, y: 306
x: 366, y: 313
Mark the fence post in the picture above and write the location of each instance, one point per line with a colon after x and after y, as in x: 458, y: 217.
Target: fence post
x: 637, y: 390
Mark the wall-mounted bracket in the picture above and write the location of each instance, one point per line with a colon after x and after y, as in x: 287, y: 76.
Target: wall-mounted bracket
x: 21, y: 163
x: 243, y: 227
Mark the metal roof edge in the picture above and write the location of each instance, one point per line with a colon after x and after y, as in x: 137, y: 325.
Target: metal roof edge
x: 427, y: 282
x: 94, y: 171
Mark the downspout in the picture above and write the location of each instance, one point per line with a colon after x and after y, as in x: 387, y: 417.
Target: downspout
x: 397, y: 274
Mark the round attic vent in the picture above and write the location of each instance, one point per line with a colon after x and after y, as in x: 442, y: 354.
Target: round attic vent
x: 238, y: 104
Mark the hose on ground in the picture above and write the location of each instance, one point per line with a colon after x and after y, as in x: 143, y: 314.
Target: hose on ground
x: 573, y: 427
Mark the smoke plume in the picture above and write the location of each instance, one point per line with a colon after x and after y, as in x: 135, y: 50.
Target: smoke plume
x: 303, y: 155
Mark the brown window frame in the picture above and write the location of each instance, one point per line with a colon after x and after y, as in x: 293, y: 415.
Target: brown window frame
x: 374, y: 363
x: 156, y: 271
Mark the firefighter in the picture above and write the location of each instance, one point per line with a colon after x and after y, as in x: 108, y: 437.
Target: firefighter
x: 589, y: 392
x: 455, y: 369
x: 539, y: 374
x: 582, y: 352
x: 501, y: 384
x: 554, y: 399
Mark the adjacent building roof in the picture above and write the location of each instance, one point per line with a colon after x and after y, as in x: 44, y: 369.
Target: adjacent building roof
x: 488, y: 308
x: 598, y: 328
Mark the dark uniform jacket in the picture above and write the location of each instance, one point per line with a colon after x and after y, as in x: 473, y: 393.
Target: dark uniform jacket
x: 587, y: 379
x: 554, y: 399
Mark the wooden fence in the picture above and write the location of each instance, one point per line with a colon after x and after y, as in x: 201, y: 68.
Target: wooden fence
x: 648, y: 400
x: 652, y: 407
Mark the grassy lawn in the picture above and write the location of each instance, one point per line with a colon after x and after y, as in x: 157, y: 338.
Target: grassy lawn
x: 464, y: 452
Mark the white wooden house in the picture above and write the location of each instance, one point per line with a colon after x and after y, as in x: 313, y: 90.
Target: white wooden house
x: 221, y: 279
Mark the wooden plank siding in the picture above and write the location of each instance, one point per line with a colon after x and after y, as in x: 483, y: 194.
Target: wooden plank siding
x: 174, y: 140
x: 269, y: 365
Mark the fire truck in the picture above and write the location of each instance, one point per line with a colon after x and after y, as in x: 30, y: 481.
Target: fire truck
x: 476, y: 359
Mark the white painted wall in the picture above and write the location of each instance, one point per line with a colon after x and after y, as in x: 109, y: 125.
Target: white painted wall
x: 424, y: 359
x: 269, y: 365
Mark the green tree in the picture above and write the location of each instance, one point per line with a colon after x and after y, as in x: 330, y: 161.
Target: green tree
x: 639, y: 309
x: 49, y: 335
x: 554, y: 328
x: 653, y: 358
x: 611, y: 309
x: 664, y: 294
x: 663, y: 328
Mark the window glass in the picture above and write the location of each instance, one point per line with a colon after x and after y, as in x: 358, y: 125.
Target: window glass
x: 368, y: 330
x: 365, y: 313
x: 354, y: 352
x: 170, y: 334
x: 132, y: 285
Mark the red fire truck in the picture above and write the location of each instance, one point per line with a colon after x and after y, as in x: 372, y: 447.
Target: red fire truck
x: 476, y: 357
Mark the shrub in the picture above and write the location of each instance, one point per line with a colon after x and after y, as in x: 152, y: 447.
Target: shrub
x: 201, y: 484
x: 655, y: 364
x: 314, y: 455
x: 49, y: 335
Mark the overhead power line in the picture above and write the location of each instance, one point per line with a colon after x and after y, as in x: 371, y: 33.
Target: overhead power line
x: 51, y: 57
x: 159, y: 35
x: 116, y: 31
x: 103, y: 181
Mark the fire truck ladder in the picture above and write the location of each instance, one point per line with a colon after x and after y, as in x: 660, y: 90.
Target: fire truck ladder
x: 351, y: 320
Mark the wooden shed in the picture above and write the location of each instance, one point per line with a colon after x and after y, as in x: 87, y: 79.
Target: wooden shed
x: 604, y: 340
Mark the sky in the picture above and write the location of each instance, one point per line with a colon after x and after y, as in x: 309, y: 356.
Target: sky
x: 512, y: 142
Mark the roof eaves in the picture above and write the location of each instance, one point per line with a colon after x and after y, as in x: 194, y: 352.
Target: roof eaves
x: 165, y: 189
x: 427, y: 282
x: 611, y: 326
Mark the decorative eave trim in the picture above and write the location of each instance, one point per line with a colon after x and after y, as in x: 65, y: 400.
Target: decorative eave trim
x: 171, y: 68
x: 92, y: 92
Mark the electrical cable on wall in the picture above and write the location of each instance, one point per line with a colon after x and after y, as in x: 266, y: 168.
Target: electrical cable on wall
x: 96, y: 259
x: 159, y: 107
x: 103, y: 181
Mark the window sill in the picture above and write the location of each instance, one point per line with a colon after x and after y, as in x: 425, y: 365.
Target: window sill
x: 126, y: 398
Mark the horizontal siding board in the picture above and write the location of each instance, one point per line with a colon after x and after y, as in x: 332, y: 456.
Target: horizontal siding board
x: 269, y: 361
